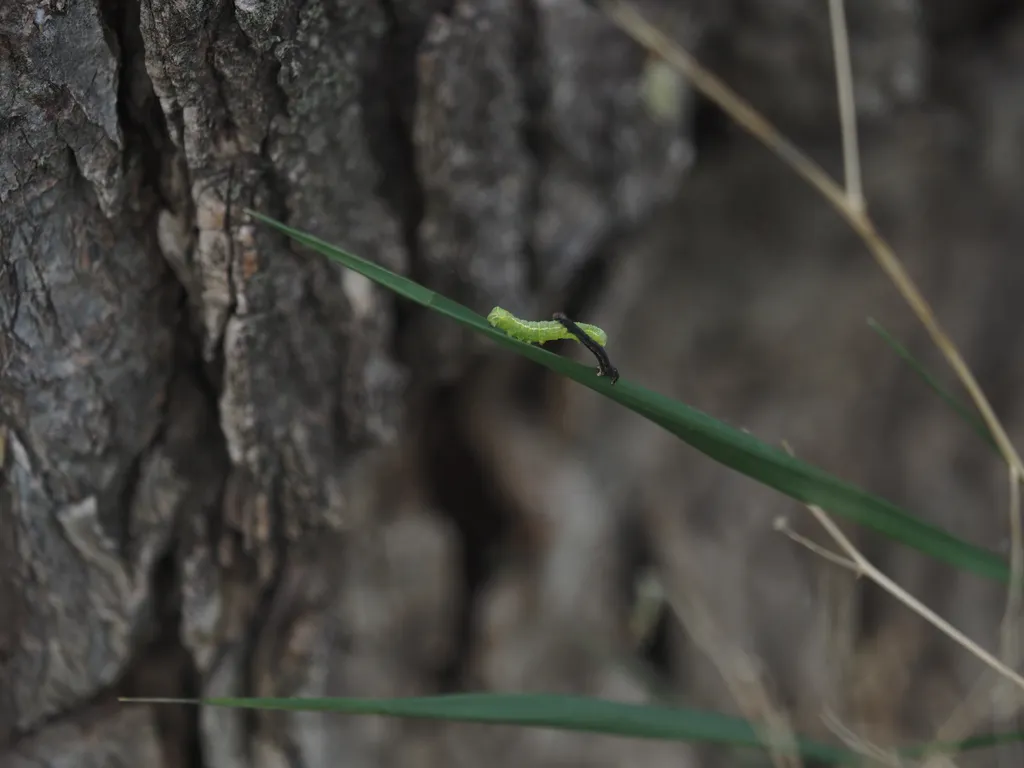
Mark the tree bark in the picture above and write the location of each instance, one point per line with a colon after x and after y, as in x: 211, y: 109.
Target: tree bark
x: 206, y: 431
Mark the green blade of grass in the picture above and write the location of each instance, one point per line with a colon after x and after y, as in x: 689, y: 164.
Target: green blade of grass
x: 721, y: 442
x: 968, y: 415
x: 577, y: 713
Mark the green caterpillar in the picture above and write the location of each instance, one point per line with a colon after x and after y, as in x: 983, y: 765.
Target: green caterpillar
x: 561, y: 327
x: 540, y: 331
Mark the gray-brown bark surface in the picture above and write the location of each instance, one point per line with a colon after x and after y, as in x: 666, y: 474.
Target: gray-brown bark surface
x: 230, y: 468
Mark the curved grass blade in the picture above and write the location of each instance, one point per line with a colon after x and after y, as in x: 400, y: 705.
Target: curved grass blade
x: 566, y: 713
x: 967, y: 414
x: 581, y: 714
x: 721, y: 442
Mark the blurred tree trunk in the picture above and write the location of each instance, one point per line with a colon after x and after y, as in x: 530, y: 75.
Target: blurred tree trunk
x: 207, y: 486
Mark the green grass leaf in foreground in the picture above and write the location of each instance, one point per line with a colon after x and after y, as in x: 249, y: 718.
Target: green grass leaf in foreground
x: 576, y: 713
x: 723, y: 443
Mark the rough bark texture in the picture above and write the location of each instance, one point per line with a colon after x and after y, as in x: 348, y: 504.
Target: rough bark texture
x: 230, y: 468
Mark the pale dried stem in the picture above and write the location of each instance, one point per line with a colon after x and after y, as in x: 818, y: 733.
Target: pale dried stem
x: 634, y: 24
x: 847, y: 105
x: 870, y: 571
x: 1005, y: 704
x: 1008, y: 702
x: 1010, y: 628
x: 849, y: 204
x: 858, y: 744
x: 782, y: 525
x: 742, y: 677
x: 987, y: 695
x: 856, y: 562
